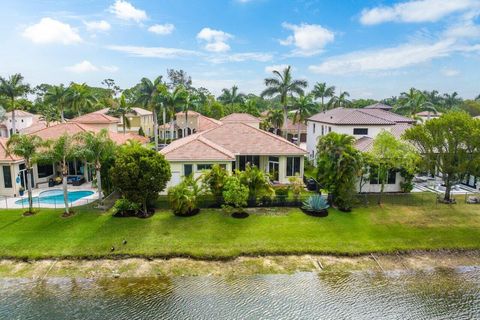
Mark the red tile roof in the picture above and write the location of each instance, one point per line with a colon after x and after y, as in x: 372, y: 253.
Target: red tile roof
x: 344, y: 116
x: 95, y: 118
x: 240, y: 117
x: 4, y: 156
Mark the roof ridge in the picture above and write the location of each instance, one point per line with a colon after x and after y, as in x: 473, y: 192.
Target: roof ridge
x: 376, y: 116
x: 212, y: 144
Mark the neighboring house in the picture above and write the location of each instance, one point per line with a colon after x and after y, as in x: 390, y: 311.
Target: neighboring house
x: 138, y: 117
x: 426, y: 115
x: 12, y: 173
x: 23, y: 120
x: 98, y: 121
x: 242, y: 118
x: 38, y: 124
x: 196, y: 123
x: 364, y: 124
x: 233, y: 145
x: 290, y: 128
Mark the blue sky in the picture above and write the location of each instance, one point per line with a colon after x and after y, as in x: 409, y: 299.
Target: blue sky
x: 373, y: 49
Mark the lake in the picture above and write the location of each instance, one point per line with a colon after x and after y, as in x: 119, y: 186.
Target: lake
x: 427, y: 294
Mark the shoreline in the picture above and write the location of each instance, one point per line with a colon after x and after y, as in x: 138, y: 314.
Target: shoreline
x: 241, y: 266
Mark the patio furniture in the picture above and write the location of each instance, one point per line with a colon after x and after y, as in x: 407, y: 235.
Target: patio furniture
x: 76, y: 180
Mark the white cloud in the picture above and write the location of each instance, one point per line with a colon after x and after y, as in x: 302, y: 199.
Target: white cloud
x: 241, y: 57
x: 385, y: 59
x: 126, y: 11
x: 450, y: 72
x: 277, y: 67
x: 94, y: 26
x: 415, y: 11
x: 49, y: 30
x: 216, y: 40
x: 162, y: 29
x: 309, y: 39
x: 86, y: 66
x: 154, y: 52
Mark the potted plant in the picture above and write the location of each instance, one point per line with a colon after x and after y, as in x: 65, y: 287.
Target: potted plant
x: 316, y: 205
x: 21, y: 191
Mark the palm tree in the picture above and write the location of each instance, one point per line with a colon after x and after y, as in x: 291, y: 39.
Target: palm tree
x: 12, y: 88
x: 320, y: 90
x: 451, y: 100
x: 283, y: 86
x: 172, y: 101
x: 304, y: 108
x: 26, y: 147
x: 122, y: 109
x: 61, y: 151
x: 275, y: 117
x: 340, y: 101
x: 231, y: 96
x: 191, y: 101
x: 250, y: 107
x: 58, y: 96
x: 49, y: 113
x: 148, y: 97
x: 413, y: 102
x: 96, y: 148
x: 80, y: 97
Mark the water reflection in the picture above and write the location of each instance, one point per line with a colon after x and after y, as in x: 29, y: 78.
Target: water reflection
x: 440, y: 293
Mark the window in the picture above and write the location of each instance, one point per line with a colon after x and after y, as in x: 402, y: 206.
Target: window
x: 375, y: 179
x: 293, y: 166
x: 187, y: 169
x: 314, y: 128
x: 323, y: 130
x: 243, y: 160
x: 392, y: 177
x: 205, y: 166
x: 329, y: 129
x: 360, y: 131
x: 45, y: 170
x: 7, y: 177
x: 223, y: 166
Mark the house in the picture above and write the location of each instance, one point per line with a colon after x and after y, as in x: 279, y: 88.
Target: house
x: 426, y: 115
x: 98, y: 121
x: 233, y: 145
x: 12, y: 174
x: 38, y: 124
x: 23, y: 120
x: 242, y: 118
x: 364, y: 124
x: 186, y: 124
x: 290, y: 127
x: 138, y: 118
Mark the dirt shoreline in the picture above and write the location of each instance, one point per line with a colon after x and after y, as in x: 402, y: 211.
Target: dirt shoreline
x: 140, y: 267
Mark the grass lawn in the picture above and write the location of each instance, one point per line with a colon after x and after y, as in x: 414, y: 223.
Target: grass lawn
x: 213, y: 234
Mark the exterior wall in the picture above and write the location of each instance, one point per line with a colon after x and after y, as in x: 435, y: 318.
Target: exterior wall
x: 282, y: 167
x: 20, y: 123
x: 112, y: 127
x: 192, y: 122
x: 39, y: 180
x: 314, y: 132
x: 15, y: 170
x: 367, y: 187
x: 136, y: 121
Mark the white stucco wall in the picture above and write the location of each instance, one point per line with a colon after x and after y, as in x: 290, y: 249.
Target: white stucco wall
x: 21, y: 122
x: 367, y: 187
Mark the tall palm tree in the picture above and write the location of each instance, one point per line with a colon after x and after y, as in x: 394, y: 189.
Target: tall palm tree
x: 275, y: 117
x: 149, y: 98
x: 304, y: 107
x: 13, y: 88
x: 173, y: 101
x: 451, y: 100
x: 80, y: 97
x: 123, y: 108
x: 191, y: 101
x: 320, y: 90
x: 413, y: 102
x: 283, y: 86
x: 49, y: 113
x: 58, y: 96
x: 26, y: 147
x: 340, y: 101
x: 96, y: 148
x: 231, y: 96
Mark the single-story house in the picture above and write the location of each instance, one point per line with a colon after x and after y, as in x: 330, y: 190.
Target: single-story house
x: 233, y: 145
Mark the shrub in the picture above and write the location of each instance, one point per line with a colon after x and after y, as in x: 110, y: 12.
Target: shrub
x: 215, y: 180
x: 124, y: 207
x: 235, y: 193
x: 315, y: 203
x: 257, y: 182
x: 183, y: 197
x: 297, y: 186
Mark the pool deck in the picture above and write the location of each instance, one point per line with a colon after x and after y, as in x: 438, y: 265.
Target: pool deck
x: 9, y: 203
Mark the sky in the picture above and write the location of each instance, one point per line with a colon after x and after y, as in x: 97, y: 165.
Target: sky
x: 372, y: 49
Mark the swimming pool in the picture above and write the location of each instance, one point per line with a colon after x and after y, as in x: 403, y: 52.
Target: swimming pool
x: 56, y: 197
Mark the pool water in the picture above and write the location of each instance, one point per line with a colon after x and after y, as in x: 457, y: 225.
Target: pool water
x: 56, y: 197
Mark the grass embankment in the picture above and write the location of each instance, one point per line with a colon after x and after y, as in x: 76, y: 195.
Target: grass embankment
x: 214, y: 235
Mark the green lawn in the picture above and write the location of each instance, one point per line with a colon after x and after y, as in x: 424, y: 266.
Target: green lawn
x: 213, y: 234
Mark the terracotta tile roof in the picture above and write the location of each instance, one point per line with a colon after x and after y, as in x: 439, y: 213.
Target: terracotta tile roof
x: 72, y: 128
x: 398, y: 129
x: 190, y: 113
x: 428, y: 114
x: 142, y: 112
x: 343, y: 116
x: 204, y: 123
x: 195, y: 147
x: 380, y: 106
x: 240, y: 117
x: 4, y: 156
x: 294, y: 127
x: 95, y: 118
x: 19, y: 113
x: 364, y: 144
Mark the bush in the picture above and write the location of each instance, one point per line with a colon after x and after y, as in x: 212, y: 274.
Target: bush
x: 297, y: 186
x: 235, y: 193
x: 125, y: 208
x: 315, y: 205
x: 183, y: 198
x: 257, y: 182
x: 215, y: 179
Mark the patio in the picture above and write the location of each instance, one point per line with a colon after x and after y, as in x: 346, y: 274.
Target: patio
x: 434, y: 184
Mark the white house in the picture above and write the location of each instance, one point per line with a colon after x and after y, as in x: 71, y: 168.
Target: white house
x: 23, y: 120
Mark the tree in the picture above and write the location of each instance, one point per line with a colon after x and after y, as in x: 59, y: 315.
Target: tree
x: 61, y: 151
x: 215, y: 179
x: 257, y: 182
x: 49, y: 113
x: 191, y: 101
x: 123, y: 108
x: 173, y: 100
x: 231, y: 96
x: 13, y: 88
x: 140, y: 174
x: 340, y: 101
x: 451, y: 101
x: 148, y: 96
x: 283, y: 86
x: 80, y: 98
x: 275, y: 118
x: 96, y: 148
x: 320, y: 90
x: 390, y: 154
x: 413, y: 102
x: 472, y: 107
x: 26, y: 147
x: 304, y: 107
x: 235, y: 193
x: 449, y: 144
x: 58, y: 96
x: 250, y: 107
x: 338, y: 164
x: 179, y: 78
